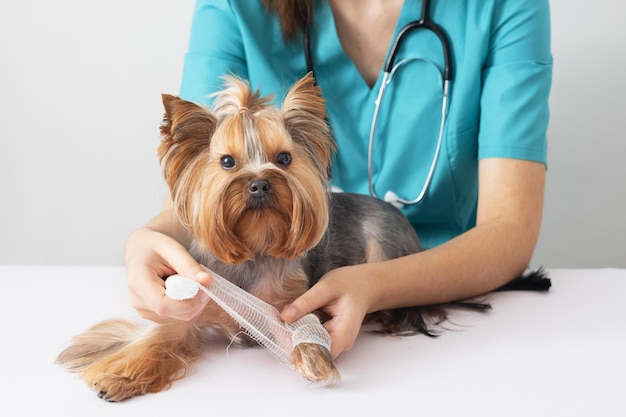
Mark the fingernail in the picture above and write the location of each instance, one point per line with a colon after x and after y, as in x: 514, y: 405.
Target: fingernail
x: 202, y: 276
x: 290, y: 313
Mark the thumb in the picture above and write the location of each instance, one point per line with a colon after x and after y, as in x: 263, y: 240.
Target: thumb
x: 312, y: 300
x: 184, y: 264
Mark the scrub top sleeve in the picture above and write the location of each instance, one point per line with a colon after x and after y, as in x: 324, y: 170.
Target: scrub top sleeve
x: 215, y: 49
x: 517, y: 77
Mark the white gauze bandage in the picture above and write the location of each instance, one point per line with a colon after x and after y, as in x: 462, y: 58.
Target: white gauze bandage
x: 260, y: 320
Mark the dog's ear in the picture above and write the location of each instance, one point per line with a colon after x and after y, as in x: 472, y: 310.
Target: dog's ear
x: 186, y: 131
x: 304, y: 113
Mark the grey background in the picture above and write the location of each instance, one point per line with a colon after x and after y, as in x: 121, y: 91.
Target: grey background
x: 80, y: 85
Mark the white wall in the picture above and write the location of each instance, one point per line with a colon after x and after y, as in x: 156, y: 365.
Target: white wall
x: 80, y: 106
x: 584, y: 223
x: 80, y: 85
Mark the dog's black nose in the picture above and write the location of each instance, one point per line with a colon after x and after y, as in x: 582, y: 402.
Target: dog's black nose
x: 259, y: 188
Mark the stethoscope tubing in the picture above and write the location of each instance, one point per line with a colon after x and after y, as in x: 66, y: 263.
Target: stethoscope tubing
x: 389, y: 70
x: 423, y: 23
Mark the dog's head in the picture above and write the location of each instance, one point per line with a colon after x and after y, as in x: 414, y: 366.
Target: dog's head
x: 247, y: 178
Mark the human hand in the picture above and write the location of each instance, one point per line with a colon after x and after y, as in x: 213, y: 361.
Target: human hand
x: 150, y: 257
x: 345, y: 296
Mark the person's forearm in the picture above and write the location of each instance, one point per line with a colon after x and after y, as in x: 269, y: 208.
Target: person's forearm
x: 472, y: 264
x: 167, y: 223
x: 496, y: 251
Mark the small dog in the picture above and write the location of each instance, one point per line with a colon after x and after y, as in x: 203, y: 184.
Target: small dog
x: 250, y: 182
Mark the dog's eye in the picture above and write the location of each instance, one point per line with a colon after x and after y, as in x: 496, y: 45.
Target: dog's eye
x: 283, y: 158
x: 227, y: 162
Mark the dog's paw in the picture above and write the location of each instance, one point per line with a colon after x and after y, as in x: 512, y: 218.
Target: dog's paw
x: 119, y: 380
x: 113, y: 388
x: 315, y: 363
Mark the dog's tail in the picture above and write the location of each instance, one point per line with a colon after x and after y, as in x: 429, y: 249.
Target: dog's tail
x: 429, y: 320
x: 536, y: 280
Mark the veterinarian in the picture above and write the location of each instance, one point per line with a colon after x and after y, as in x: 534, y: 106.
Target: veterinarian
x: 482, y: 170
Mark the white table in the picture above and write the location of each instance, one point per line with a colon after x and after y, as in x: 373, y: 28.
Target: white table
x: 556, y: 354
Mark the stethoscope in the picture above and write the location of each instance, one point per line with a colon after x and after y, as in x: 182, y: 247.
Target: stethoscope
x: 390, y: 69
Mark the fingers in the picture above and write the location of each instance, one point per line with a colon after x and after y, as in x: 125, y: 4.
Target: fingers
x: 344, y: 324
x: 147, y: 296
x: 151, y: 257
x: 312, y: 300
x: 343, y: 332
x: 315, y: 299
x: 182, y: 263
x: 332, y: 296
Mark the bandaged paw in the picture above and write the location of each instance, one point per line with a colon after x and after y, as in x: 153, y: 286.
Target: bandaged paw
x: 309, y: 329
x: 260, y: 320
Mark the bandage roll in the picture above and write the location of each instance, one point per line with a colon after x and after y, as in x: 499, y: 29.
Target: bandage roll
x: 260, y: 320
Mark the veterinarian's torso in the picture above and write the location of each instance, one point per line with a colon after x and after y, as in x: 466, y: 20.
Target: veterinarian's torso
x: 502, y: 76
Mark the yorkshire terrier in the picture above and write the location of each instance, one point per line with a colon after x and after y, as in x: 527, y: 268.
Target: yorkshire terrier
x: 250, y: 181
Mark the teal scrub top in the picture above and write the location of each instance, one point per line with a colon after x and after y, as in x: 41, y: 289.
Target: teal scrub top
x: 498, y: 108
